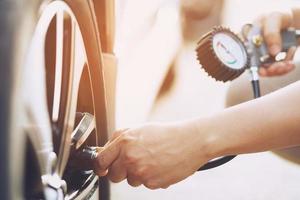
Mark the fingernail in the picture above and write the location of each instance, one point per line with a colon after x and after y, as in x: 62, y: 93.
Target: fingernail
x: 274, y: 49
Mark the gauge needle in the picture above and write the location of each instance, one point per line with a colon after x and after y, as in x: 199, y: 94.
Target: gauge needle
x: 233, y: 59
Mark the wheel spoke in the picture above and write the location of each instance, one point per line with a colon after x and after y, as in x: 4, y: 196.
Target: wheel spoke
x: 58, y: 64
x: 73, y: 59
x: 79, y: 58
x: 65, y: 120
x: 66, y: 113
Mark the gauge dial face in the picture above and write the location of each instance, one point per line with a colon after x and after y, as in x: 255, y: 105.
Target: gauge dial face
x: 230, y: 50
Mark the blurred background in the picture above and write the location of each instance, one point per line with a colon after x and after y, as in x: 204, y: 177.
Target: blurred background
x: 159, y: 79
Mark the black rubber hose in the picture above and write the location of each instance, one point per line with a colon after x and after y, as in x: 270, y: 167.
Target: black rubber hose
x: 221, y: 161
x: 216, y: 163
x: 256, y: 88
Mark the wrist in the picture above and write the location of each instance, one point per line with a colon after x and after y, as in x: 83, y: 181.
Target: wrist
x: 210, y: 140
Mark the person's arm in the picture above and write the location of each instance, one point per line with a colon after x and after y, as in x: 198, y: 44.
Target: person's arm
x: 268, y: 123
x: 159, y: 155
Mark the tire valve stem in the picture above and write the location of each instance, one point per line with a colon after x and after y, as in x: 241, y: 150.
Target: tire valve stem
x: 84, y: 158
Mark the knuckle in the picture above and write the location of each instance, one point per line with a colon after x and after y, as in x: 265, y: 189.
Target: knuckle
x: 121, y: 136
x: 130, y: 158
x: 140, y: 173
x: 152, y: 185
x: 113, y: 178
x: 124, y: 139
x: 133, y: 182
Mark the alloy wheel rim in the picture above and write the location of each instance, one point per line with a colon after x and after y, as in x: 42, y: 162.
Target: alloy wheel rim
x: 57, y: 113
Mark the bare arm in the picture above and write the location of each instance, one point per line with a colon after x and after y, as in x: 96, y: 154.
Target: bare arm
x: 267, y: 123
x: 159, y: 155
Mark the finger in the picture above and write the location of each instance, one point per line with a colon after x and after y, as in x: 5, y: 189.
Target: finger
x: 272, y: 26
x: 165, y: 187
x: 271, y: 33
x: 275, y: 69
x: 290, y: 54
x: 117, y: 172
x: 284, y: 66
x: 117, y: 133
x: 133, y: 181
x: 101, y: 173
x: 280, y: 68
x: 108, y: 155
x: 135, y: 176
x: 263, y: 71
x: 296, y: 15
x: 97, y: 169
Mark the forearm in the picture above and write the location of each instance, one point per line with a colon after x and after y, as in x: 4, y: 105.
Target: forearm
x: 267, y: 123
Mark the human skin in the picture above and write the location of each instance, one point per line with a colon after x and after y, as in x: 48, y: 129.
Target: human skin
x: 159, y: 155
x: 197, y: 9
x: 272, y: 24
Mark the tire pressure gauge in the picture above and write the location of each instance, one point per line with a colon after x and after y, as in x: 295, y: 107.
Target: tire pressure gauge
x: 222, y: 54
x: 225, y: 56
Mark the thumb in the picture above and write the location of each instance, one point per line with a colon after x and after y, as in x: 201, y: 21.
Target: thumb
x: 273, y: 24
x: 107, y: 156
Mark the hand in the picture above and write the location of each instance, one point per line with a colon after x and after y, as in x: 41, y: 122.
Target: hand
x: 272, y: 24
x: 155, y: 155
